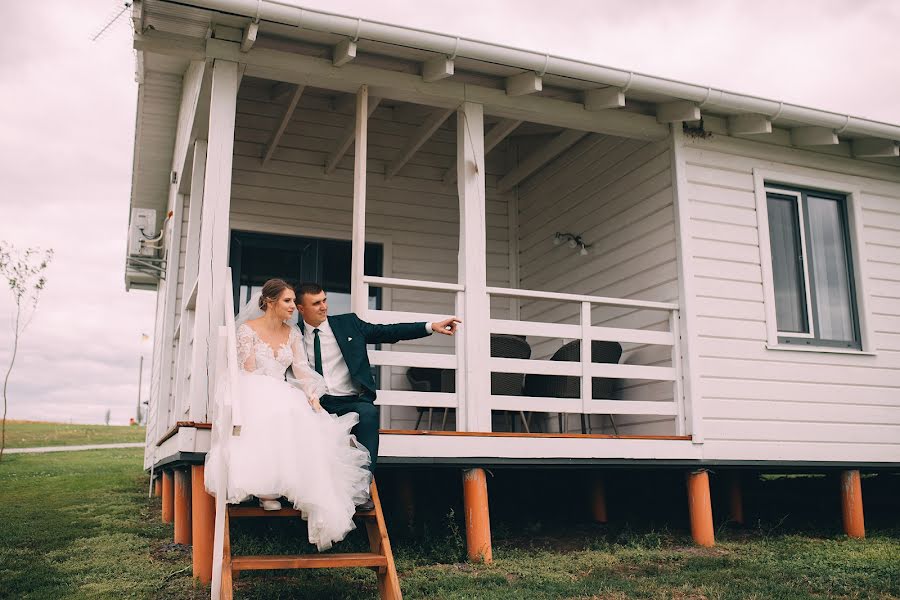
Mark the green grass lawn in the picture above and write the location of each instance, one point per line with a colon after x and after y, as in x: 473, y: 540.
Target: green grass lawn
x: 28, y: 434
x: 79, y: 525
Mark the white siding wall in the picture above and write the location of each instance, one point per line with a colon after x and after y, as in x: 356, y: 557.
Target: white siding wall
x: 415, y: 215
x: 616, y: 194
x: 758, y: 403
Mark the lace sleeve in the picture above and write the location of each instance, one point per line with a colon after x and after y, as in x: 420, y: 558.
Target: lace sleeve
x: 309, y: 381
x: 245, y: 348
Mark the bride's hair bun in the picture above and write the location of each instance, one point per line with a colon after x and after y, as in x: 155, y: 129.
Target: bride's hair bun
x: 271, y: 291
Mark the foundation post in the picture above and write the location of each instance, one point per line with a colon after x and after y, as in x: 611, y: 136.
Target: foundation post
x: 168, y: 497
x: 852, y: 504
x: 598, y: 499
x: 182, y: 506
x: 203, y: 517
x: 478, y: 520
x: 700, y: 508
x: 735, y: 498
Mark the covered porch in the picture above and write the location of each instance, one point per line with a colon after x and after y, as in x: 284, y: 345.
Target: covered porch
x: 553, y: 235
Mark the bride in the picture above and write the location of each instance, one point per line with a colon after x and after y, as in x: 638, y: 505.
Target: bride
x: 288, y: 446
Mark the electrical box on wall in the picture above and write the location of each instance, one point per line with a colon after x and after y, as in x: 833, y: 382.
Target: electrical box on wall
x: 144, y: 267
x: 141, y: 231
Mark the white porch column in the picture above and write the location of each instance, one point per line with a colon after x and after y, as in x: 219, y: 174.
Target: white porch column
x: 359, y: 301
x: 473, y: 381
x: 213, y: 232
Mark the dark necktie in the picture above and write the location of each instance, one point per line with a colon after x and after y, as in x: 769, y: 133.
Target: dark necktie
x: 317, y: 352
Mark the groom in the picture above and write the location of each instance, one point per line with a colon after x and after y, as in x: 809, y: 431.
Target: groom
x: 336, y: 348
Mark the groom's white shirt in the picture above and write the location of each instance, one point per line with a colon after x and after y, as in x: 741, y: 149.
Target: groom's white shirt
x: 334, y: 367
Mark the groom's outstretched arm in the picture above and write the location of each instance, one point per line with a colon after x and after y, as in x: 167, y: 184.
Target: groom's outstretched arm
x: 389, y: 334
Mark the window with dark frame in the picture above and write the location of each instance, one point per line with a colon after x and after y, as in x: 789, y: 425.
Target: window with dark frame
x: 812, y: 268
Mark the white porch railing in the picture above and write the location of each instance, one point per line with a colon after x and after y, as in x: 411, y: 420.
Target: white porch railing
x: 434, y: 360
x: 585, y: 369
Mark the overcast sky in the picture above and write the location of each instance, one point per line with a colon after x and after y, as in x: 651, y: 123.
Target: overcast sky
x: 67, y: 108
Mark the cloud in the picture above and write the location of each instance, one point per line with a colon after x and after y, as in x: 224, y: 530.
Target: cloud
x: 65, y: 180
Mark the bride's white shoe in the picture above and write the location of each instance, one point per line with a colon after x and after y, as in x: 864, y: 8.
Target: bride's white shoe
x: 269, y: 504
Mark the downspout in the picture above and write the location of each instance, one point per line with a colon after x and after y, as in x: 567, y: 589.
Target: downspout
x: 285, y: 13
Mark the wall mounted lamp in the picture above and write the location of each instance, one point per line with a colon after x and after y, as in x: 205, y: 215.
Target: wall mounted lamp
x: 572, y: 241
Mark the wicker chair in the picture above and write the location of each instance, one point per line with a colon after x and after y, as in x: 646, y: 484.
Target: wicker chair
x: 563, y: 386
x: 423, y: 379
x: 502, y: 384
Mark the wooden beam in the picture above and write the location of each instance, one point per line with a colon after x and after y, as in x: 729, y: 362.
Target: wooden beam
x: 492, y: 138
x: 813, y: 136
x: 422, y: 135
x: 875, y: 148
x: 171, y: 44
x: 344, y: 52
x: 347, y: 138
x: 437, y: 69
x: 249, y: 36
x: 681, y: 110
x: 282, y: 124
x: 749, y: 125
x: 278, y: 65
x: 524, y: 83
x: 602, y: 99
x: 539, y: 158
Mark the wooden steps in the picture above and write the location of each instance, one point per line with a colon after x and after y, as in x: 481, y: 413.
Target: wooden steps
x: 308, y: 561
x: 379, y: 558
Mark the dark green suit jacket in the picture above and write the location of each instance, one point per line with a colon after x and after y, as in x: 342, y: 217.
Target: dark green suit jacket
x: 353, y: 334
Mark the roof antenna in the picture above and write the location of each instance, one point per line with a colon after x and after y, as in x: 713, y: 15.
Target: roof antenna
x: 111, y: 21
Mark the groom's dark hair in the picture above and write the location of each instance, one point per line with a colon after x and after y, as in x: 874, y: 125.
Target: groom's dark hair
x: 307, y: 287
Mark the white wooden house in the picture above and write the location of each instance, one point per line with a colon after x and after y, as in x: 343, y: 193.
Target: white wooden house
x: 744, y: 252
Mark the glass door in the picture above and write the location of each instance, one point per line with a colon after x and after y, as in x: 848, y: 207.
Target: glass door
x: 257, y: 257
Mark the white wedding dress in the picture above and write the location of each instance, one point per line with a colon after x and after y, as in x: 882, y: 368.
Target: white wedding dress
x: 285, y: 448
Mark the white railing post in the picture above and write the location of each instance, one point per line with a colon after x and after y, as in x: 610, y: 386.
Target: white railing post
x: 359, y: 303
x: 460, y: 343
x: 586, y: 381
x: 470, y: 168
x: 678, y: 384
